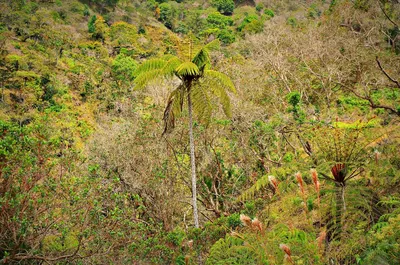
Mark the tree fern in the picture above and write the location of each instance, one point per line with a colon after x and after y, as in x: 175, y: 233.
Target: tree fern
x: 198, y: 84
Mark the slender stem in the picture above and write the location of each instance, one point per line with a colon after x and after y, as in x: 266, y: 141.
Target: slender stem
x: 193, y: 164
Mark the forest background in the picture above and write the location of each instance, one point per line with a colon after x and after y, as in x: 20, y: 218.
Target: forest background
x: 303, y: 169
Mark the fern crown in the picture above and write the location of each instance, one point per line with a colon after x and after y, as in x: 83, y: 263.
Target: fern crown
x: 196, y: 77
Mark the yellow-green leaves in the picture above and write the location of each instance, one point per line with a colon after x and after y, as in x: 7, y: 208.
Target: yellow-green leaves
x: 187, y: 69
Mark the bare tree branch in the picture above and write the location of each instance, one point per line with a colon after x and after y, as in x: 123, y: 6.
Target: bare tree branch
x: 386, y: 74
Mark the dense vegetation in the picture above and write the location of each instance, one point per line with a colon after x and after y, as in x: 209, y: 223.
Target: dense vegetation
x: 291, y: 155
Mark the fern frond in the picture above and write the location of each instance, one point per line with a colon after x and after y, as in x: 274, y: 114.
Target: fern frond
x: 202, y: 57
x: 146, y: 77
x: 173, y: 108
x: 249, y: 193
x: 187, y: 69
x: 213, y: 45
x: 150, y: 65
x: 201, y: 104
x: 171, y: 65
x: 222, y: 79
x: 222, y: 96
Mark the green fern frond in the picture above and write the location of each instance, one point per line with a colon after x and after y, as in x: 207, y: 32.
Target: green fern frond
x: 150, y: 65
x: 249, y: 193
x: 201, y: 104
x: 222, y: 96
x: 171, y: 64
x: 213, y: 45
x: 147, y: 77
x: 202, y: 57
x: 221, y: 78
x: 187, y: 69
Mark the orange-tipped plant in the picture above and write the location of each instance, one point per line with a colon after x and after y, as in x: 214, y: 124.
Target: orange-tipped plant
x: 314, y: 176
x: 256, y: 224
x: 288, y: 255
x: 246, y: 221
x: 321, y: 239
x: 301, y: 185
x: 274, y: 183
x: 300, y: 181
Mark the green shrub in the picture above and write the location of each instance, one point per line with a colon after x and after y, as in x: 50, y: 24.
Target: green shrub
x: 291, y: 21
x: 251, y: 24
x: 91, y: 24
x: 269, y: 13
x: 246, y: 20
x: 234, y: 220
x: 219, y: 21
x: 225, y: 7
x: 176, y: 236
x: 226, y: 36
x: 259, y: 7
x: 167, y: 14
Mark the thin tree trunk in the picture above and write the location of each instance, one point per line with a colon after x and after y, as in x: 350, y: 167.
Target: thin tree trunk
x: 193, y: 164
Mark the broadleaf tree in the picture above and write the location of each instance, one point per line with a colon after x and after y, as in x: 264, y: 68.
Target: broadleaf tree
x: 199, y: 84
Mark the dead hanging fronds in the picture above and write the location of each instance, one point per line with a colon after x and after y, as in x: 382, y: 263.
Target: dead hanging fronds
x: 377, y: 155
x: 288, y: 255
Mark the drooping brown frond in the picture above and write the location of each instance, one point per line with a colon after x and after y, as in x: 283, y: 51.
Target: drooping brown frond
x: 173, y: 108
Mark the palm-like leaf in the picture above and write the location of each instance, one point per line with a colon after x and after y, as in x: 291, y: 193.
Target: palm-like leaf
x: 145, y: 78
x: 154, y: 69
x: 187, y: 69
x: 201, y: 103
x: 194, y: 89
x: 202, y: 57
x: 150, y: 65
x: 222, y: 79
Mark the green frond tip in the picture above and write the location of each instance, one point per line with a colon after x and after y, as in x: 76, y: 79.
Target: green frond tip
x: 187, y: 69
x: 202, y: 57
x: 146, y: 77
x: 221, y: 79
x: 172, y: 63
x: 150, y: 65
x: 201, y: 104
x: 213, y: 45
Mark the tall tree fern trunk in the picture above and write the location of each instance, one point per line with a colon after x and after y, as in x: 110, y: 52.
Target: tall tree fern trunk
x: 193, y: 164
x: 340, y: 209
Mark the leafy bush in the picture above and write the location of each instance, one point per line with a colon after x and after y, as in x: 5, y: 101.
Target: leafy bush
x: 225, y: 7
x: 251, y: 24
x: 167, y: 15
x: 259, y: 7
x: 269, y: 13
x: 226, y: 36
x: 219, y: 21
x: 291, y: 21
